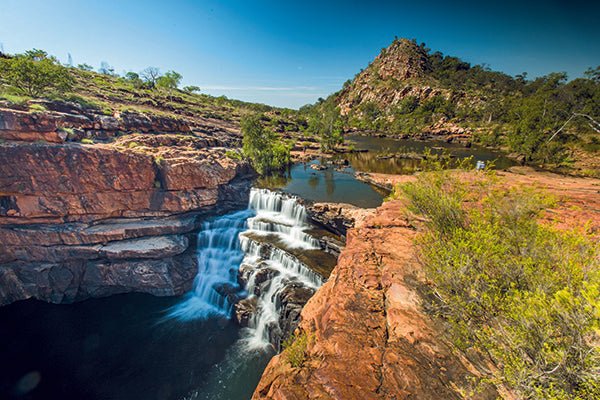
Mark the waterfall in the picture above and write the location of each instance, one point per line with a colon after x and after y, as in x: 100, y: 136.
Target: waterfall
x: 249, y: 254
x: 280, y: 215
x: 284, y: 217
x: 219, y: 257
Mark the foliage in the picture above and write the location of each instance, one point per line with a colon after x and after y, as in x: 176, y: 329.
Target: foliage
x: 135, y: 79
x: 87, y: 141
x: 295, y: 349
x: 85, y: 67
x: 35, y: 74
x: 234, y: 154
x: 262, y: 146
x: 191, y: 89
x: 437, y: 196
x: 527, y: 294
x: 325, y: 122
x: 37, y: 107
x: 169, y: 81
x: 150, y: 76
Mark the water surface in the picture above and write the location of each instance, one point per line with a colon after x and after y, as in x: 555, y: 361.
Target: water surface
x: 378, y: 148
x: 334, y: 184
x: 120, y: 347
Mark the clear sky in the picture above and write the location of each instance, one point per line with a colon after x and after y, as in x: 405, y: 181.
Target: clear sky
x: 289, y: 53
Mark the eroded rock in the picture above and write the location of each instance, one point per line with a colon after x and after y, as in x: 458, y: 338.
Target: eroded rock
x: 369, y: 337
x: 338, y: 217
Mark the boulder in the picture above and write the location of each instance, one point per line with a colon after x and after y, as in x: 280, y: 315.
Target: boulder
x: 245, y: 310
x: 337, y: 217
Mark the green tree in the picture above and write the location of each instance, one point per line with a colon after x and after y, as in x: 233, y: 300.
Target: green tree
x: 169, y: 81
x: 191, y: 89
x: 325, y: 122
x: 262, y: 146
x: 35, y: 74
x: 593, y: 74
x: 85, y: 67
x: 134, y: 79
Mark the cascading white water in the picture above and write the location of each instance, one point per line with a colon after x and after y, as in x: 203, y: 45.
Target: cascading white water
x: 283, y: 216
x: 280, y: 215
x: 219, y: 257
x: 241, y: 243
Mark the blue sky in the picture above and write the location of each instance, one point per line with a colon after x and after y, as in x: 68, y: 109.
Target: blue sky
x: 289, y: 53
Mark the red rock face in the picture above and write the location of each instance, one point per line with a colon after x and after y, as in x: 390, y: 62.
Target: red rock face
x: 71, y: 182
x: 369, y: 337
x: 59, y: 241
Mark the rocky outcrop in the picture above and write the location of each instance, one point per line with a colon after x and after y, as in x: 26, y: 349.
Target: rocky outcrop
x: 399, y: 71
x: 404, y: 71
x: 368, y: 334
x: 85, y: 220
x: 74, y: 280
x: 59, y: 121
x: 337, y: 217
x: 43, y: 182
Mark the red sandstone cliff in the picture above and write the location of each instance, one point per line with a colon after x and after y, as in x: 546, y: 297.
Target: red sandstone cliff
x: 85, y: 220
x: 368, y: 335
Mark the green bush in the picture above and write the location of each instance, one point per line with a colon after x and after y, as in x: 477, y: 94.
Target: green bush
x: 263, y: 147
x: 233, y: 154
x: 35, y: 74
x: 525, y: 293
x: 295, y: 349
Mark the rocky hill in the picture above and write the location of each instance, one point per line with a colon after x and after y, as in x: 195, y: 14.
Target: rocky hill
x: 408, y: 90
x: 400, y: 70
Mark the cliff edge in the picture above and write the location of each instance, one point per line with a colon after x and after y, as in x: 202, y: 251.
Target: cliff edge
x: 368, y: 336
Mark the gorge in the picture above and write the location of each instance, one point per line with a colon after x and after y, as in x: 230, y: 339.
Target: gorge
x: 395, y: 240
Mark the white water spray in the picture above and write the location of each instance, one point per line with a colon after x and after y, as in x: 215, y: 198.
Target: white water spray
x: 258, y: 240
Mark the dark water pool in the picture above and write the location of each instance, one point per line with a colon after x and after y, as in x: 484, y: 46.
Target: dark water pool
x: 121, y: 348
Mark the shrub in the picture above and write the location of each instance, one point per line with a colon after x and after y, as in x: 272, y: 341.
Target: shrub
x: 523, y: 292
x: 35, y: 74
x: 233, y: 154
x: 37, y: 108
x: 295, y: 349
x: 262, y: 147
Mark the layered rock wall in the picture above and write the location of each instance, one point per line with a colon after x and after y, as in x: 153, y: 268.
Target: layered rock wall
x: 82, y: 220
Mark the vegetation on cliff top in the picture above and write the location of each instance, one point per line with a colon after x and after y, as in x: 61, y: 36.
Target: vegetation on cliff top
x: 35, y: 74
x: 522, y: 291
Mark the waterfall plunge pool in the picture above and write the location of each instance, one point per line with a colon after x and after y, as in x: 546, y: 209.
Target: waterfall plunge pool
x: 134, y: 346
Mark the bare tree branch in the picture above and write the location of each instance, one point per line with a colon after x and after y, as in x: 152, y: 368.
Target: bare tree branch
x: 595, y: 125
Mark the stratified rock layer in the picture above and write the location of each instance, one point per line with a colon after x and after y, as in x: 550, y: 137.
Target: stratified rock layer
x: 87, y: 220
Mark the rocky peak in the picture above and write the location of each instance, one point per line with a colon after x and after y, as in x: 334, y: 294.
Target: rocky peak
x: 403, y: 59
x: 402, y: 69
